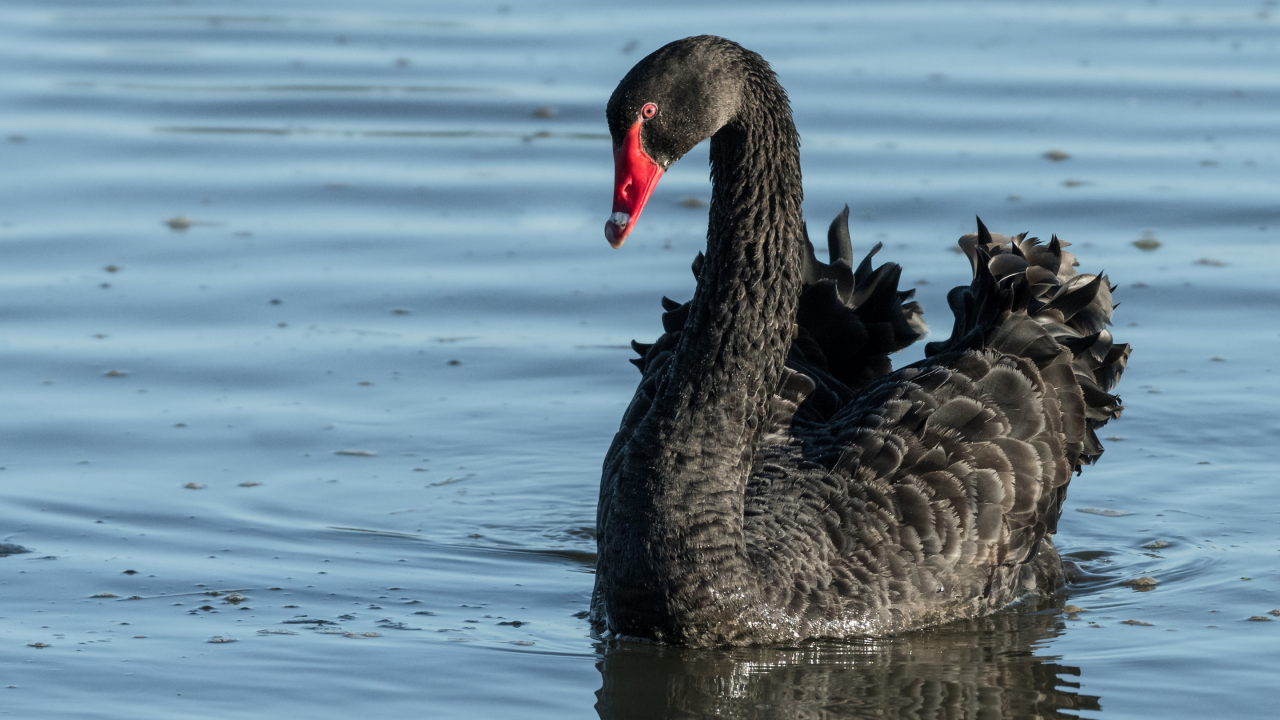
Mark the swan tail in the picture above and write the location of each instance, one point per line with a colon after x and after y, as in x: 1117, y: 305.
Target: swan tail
x: 1027, y: 301
x: 852, y: 319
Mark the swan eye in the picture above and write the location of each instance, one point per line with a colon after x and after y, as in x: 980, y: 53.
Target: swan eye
x: 649, y: 110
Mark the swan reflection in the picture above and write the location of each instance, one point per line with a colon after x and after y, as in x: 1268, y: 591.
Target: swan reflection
x: 989, y: 668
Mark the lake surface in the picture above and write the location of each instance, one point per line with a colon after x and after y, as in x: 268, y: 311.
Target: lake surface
x: 310, y: 302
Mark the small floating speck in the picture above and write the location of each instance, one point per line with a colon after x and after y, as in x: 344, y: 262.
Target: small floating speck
x: 1146, y: 581
x: 545, y: 113
x: 179, y: 223
x: 1135, y: 622
x: 1156, y: 544
x: 219, y: 639
x: 1056, y: 156
x: 1115, y: 438
x: 362, y: 634
x: 179, y: 425
x: 1218, y: 359
x: 1147, y: 242
x: 277, y: 632
x: 234, y: 598
x: 12, y: 549
x: 104, y: 595
x: 39, y: 645
x: 130, y: 572
x: 112, y: 268
x: 250, y: 483
x: 512, y: 623
x: 194, y: 486
x: 523, y: 643
x: 401, y: 311
x: 134, y: 597
x: 1246, y: 578
x: 1210, y: 262
x: 455, y: 362
x: 116, y: 373
x: 365, y: 383
x: 693, y: 203
x: 1104, y: 512
x: 1074, y: 183
x: 355, y: 453
x: 1259, y: 618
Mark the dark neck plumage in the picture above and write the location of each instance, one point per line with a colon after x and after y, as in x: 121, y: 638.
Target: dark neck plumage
x: 681, y: 488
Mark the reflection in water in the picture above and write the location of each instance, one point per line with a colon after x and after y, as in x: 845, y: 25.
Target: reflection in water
x: 985, y: 668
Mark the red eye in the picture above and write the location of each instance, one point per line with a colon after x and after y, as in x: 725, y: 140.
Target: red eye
x: 649, y: 110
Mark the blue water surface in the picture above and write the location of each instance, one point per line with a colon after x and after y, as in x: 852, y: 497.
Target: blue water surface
x: 313, y: 346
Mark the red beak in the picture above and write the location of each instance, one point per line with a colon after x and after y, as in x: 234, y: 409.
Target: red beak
x: 635, y: 175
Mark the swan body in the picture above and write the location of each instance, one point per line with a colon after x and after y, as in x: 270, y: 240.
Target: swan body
x: 774, y: 478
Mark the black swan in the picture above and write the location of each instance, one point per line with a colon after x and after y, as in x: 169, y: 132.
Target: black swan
x: 774, y: 479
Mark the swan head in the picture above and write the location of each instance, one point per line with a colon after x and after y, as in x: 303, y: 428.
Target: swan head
x: 675, y: 98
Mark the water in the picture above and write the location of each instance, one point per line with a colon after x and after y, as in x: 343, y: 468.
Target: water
x: 372, y: 383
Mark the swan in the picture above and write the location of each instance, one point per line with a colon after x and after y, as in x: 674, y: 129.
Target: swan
x: 774, y: 479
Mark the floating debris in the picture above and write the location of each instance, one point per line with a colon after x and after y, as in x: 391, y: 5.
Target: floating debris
x: 194, y: 486
x: 1104, y: 512
x: 1259, y: 618
x: 116, y: 373
x: 389, y: 625
x: 104, y: 595
x: 11, y: 549
x: 512, y: 623
x: 355, y: 453
x: 1071, y: 609
x: 1056, y: 156
x: 361, y: 634
x: 277, y: 632
x: 1074, y: 183
x: 1210, y: 262
x: 522, y: 642
x: 1157, y: 545
x: 1135, y: 622
x: 179, y: 223
x: 1144, y: 582
x: 39, y: 645
x: 693, y: 203
x: 1115, y: 438
x: 112, y: 268
x: 250, y: 483
x: 130, y: 572
x: 219, y: 639
x: 234, y: 598
x: 1147, y: 242
x: 454, y: 362
x: 545, y: 113
x: 401, y: 311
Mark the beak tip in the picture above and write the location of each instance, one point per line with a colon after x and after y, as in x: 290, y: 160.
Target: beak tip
x: 614, y: 234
